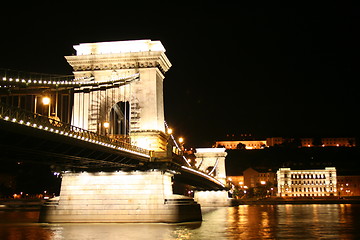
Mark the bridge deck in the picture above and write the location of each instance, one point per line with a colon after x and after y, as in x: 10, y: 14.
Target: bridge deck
x: 32, y: 137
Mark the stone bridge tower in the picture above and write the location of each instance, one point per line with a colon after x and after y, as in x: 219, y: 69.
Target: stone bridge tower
x: 137, y: 106
x: 212, y: 161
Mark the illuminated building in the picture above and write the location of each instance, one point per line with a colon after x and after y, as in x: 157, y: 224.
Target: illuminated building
x: 312, y: 142
x: 275, y: 141
x: 236, y: 181
x: 328, y: 142
x: 348, y: 185
x: 253, y: 144
x: 254, y: 177
x: 307, y: 142
x: 338, y: 142
x: 307, y: 183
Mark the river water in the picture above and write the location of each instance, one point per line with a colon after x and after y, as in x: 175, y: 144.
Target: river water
x: 308, y: 221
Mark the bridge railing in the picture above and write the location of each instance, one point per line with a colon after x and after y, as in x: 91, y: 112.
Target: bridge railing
x: 16, y: 74
x: 35, y: 120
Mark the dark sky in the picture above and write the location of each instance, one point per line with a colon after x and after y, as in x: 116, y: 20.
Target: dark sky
x: 283, y: 72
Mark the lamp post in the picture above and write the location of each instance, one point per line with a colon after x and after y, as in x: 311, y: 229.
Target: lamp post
x: 169, y: 131
x: 181, y: 141
x: 106, y: 126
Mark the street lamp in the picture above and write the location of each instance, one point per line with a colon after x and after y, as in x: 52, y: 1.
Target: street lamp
x: 181, y: 143
x: 46, y: 100
x: 169, y: 131
x: 106, y: 126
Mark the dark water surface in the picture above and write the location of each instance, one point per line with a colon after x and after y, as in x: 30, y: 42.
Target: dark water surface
x: 328, y: 221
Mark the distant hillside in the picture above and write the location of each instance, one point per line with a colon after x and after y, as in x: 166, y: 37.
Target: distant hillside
x: 346, y: 160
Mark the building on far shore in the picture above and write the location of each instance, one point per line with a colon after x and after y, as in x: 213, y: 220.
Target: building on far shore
x: 236, y: 181
x: 307, y: 183
x: 298, y: 183
x: 278, y: 141
x: 348, y: 185
x: 254, y: 177
x: 313, y: 142
x: 242, y: 144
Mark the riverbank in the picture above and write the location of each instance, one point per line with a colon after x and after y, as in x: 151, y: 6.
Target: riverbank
x: 21, y: 204
x: 303, y: 200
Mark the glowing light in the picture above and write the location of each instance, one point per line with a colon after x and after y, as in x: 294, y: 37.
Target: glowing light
x: 169, y: 131
x: 181, y: 140
x: 262, y: 182
x: 46, y: 100
x: 118, y: 47
x: 106, y: 125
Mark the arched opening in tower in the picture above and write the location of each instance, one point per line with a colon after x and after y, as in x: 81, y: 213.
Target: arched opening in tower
x: 211, y: 170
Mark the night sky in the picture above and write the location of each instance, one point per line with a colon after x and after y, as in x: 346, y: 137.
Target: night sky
x: 283, y: 72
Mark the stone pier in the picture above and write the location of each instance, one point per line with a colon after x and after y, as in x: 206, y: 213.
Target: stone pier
x: 213, y: 198
x: 137, y: 196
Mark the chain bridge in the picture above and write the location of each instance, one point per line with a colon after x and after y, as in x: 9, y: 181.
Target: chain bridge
x: 105, y: 128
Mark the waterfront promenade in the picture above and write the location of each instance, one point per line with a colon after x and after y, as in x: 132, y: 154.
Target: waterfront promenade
x: 296, y: 200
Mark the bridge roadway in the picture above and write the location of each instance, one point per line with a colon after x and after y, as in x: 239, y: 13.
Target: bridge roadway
x: 30, y: 137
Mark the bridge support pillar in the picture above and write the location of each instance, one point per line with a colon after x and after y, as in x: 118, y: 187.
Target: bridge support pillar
x: 138, y: 196
x: 212, y: 198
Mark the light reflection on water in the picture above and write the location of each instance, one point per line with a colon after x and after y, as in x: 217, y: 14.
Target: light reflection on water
x: 243, y: 222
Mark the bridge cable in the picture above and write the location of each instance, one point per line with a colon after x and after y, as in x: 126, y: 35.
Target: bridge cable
x: 202, y: 160
x: 176, y: 144
x: 214, y: 167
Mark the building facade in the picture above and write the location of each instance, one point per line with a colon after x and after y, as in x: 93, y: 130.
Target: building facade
x: 307, y: 183
x: 251, y: 144
x: 348, y: 185
x: 313, y: 142
x: 299, y: 142
x: 338, y: 142
x: 254, y: 177
x: 236, y: 181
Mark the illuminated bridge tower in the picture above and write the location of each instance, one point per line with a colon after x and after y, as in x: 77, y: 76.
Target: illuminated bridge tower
x: 134, y: 109
x: 212, y: 161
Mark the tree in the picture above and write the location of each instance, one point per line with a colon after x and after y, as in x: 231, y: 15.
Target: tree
x: 241, y: 146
